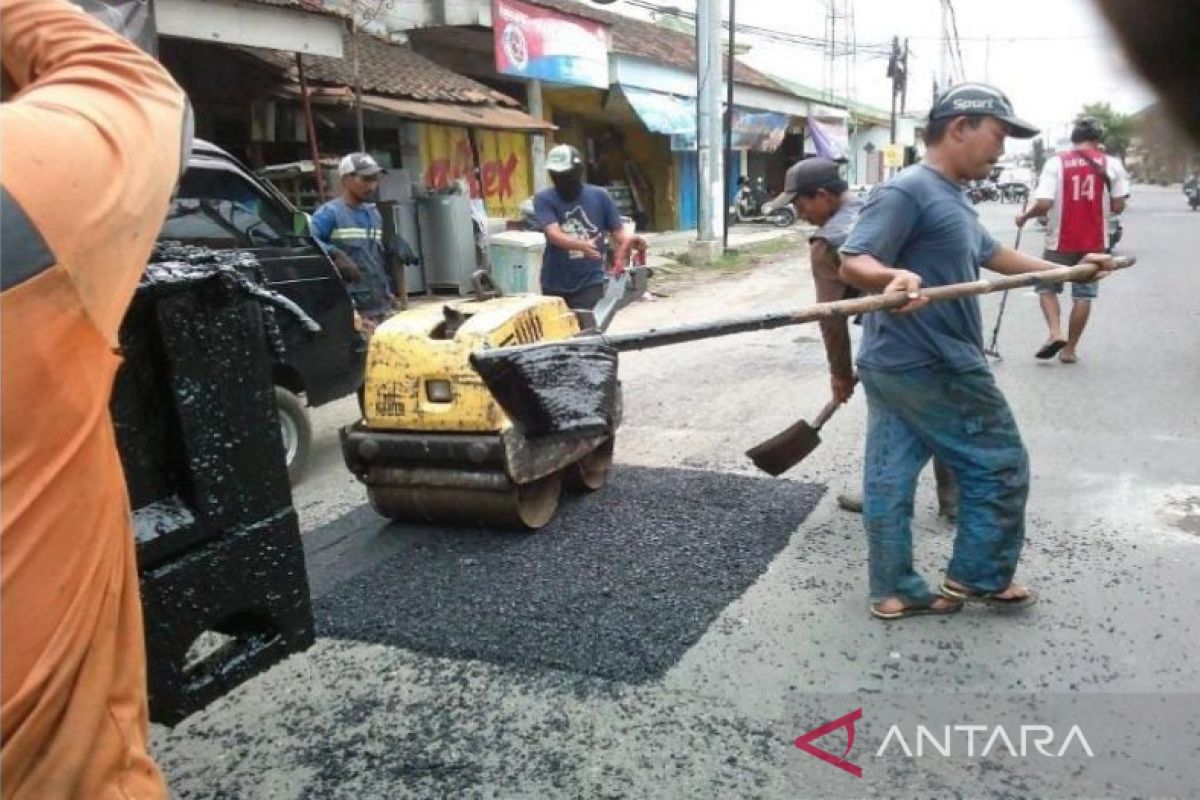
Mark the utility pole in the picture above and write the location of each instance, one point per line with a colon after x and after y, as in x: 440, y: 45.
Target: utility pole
x: 892, y: 71
x: 945, y: 50
x: 898, y: 71
x: 358, y: 109
x: 707, y: 246
x: 725, y: 196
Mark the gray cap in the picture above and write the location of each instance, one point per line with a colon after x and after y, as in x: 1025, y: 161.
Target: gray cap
x: 979, y: 99
x: 359, y: 164
x: 563, y: 158
x: 804, y: 176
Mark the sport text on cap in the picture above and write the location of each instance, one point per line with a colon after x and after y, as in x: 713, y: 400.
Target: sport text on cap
x: 979, y: 99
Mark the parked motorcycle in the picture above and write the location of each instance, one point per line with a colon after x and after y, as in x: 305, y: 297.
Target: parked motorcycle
x: 981, y: 191
x: 1014, y: 193
x: 1193, y: 196
x: 751, y: 205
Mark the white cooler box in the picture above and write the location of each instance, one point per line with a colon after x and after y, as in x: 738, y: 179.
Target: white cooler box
x: 517, y: 261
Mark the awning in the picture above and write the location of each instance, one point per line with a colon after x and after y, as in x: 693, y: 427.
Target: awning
x: 487, y: 116
x: 467, y: 116
x: 675, y: 116
x: 663, y: 113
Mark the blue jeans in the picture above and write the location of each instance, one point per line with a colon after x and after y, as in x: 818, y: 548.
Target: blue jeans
x: 964, y: 419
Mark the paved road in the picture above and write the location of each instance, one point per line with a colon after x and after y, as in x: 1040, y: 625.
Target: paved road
x: 1114, y: 529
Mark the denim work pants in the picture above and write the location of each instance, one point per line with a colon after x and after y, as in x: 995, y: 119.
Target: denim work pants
x: 964, y: 419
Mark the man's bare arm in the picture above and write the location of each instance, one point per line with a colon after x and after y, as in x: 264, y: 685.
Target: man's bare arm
x: 626, y: 241
x: 868, y: 273
x: 557, y: 237
x: 1008, y: 261
x: 1039, y: 209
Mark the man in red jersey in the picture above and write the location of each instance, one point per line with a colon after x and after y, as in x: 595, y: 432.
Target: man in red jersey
x: 1077, y: 191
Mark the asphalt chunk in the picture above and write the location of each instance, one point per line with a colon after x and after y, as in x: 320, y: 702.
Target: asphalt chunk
x: 618, y: 586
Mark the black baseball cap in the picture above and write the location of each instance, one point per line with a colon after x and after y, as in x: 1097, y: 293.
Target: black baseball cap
x: 805, y: 176
x: 979, y: 99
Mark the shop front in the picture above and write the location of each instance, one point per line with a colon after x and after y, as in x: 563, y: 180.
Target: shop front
x: 503, y: 179
x: 757, y: 136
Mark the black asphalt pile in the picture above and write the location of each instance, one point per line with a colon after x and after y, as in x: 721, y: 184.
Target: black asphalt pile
x: 618, y: 586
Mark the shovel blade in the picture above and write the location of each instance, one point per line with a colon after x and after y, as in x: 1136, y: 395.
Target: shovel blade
x: 786, y: 449
x: 562, y: 389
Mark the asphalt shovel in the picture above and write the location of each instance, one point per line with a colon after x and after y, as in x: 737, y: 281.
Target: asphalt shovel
x: 788, y: 448
x: 568, y: 388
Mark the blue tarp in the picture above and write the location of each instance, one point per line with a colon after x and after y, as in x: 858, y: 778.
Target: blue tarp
x: 675, y: 116
x: 663, y: 113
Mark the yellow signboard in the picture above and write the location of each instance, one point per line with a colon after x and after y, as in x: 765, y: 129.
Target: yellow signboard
x: 504, y: 179
x: 893, y: 155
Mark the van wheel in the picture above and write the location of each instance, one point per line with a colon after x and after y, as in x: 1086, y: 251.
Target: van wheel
x: 296, y: 431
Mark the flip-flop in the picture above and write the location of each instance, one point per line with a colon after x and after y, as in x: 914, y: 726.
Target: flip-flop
x: 1068, y: 358
x: 965, y: 595
x: 917, y: 611
x: 1050, y: 349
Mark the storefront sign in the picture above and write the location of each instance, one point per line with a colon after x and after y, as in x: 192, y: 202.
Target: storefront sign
x: 535, y: 42
x: 503, y: 181
x: 893, y: 155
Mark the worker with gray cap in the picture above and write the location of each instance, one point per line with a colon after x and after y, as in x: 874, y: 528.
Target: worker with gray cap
x: 929, y: 389
x: 575, y: 216
x: 821, y: 197
x: 351, y: 230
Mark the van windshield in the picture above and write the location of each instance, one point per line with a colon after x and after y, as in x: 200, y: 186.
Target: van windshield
x: 218, y: 208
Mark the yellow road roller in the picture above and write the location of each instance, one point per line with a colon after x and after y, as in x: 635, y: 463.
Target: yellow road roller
x: 433, y: 446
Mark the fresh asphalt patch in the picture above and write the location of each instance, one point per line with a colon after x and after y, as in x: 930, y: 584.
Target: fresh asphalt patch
x: 618, y: 586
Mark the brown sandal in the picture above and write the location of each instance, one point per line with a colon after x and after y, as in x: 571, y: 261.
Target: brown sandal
x: 919, y: 610
x: 965, y: 595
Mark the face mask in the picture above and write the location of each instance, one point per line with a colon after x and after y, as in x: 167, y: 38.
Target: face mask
x: 569, y: 185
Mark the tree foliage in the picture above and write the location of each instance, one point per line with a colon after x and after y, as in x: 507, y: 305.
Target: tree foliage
x: 1118, y: 127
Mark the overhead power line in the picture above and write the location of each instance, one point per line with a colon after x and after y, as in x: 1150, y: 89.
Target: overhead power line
x: 962, y: 66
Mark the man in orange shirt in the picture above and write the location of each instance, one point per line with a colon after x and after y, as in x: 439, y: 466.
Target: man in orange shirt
x: 93, y: 142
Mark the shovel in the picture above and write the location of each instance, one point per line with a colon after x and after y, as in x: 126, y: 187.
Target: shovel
x: 788, y: 448
x: 568, y: 388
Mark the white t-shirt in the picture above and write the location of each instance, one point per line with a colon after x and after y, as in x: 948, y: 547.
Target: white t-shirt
x: 1050, y: 185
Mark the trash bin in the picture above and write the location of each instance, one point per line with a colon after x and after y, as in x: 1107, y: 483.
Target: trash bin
x: 223, y: 582
x: 517, y: 261
x: 447, y: 241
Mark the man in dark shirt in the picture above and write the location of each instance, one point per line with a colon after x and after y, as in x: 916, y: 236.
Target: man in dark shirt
x: 929, y: 389
x: 821, y: 197
x: 575, y: 216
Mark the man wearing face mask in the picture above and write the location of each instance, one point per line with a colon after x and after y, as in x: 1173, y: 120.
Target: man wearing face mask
x: 575, y: 216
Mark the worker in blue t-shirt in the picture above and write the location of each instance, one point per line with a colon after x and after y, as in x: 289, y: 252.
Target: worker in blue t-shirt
x: 351, y: 230
x: 575, y: 216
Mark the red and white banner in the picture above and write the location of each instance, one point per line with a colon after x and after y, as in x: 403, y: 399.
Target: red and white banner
x: 535, y: 42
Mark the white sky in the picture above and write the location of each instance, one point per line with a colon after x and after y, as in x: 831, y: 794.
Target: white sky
x: 1049, y: 56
